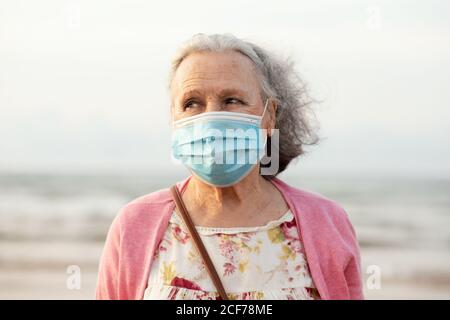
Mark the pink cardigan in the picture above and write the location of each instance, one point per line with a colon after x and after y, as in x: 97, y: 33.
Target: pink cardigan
x: 328, y: 238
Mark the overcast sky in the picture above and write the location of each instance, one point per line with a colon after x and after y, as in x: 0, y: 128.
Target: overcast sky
x: 83, y: 83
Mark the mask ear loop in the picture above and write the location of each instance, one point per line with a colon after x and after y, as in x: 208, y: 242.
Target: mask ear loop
x: 264, y: 112
x: 266, y: 136
x: 262, y: 117
x: 265, y: 108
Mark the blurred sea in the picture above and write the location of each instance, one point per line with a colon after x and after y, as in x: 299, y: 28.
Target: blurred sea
x: 49, y: 222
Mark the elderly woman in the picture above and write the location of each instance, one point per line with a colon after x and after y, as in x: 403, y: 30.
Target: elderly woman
x: 261, y: 238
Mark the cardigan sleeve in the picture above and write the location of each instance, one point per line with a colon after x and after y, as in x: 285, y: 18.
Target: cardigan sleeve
x: 352, y: 271
x: 108, y: 273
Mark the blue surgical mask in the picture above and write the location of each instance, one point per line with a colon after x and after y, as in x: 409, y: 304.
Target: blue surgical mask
x: 220, y: 148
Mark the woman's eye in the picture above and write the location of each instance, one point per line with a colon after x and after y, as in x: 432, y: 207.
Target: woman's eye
x: 190, y: 104
x: 233, y: 101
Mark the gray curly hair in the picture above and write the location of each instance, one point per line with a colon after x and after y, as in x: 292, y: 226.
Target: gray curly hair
x: 278, y: 80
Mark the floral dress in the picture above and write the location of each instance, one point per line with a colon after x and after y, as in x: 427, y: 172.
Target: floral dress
x: 265, y: 262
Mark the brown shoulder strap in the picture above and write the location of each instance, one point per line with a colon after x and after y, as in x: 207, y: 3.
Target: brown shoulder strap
x: 198, y: 242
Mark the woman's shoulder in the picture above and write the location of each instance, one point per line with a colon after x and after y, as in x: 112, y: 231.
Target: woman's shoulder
x: 145, y: 204
x: 318, y: 211
x: 161, y: 196
x: 311, y: 201
x: 145, y: 210
x: 321, y: 216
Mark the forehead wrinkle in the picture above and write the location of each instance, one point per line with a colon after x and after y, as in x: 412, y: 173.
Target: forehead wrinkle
x: 239, y: 66
x: 205, y: 84
x: 202, y: 79
x: 198, y: 75
x: 210, y: 75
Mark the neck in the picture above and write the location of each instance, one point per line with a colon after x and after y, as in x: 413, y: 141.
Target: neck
x: 214, y: 200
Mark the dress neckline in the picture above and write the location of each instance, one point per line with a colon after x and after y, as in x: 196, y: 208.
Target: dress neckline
x: 288, y: 216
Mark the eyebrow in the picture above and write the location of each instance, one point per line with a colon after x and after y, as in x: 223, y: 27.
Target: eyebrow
x: 223, y: 93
